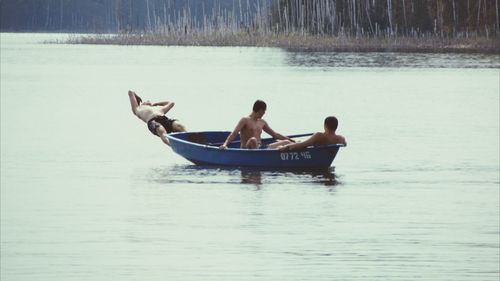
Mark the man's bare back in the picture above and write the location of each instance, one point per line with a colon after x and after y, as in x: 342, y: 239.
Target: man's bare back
x: 328, y: 138
x: 317, y: 139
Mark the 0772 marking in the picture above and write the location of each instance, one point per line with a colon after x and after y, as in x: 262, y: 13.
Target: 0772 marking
x: 294, y: 156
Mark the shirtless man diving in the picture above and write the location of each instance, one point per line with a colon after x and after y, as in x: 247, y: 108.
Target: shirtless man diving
x: 250, y: 128
x: 153, y: 114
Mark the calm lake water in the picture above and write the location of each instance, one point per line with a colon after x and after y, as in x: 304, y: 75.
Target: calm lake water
x: 87, y: 193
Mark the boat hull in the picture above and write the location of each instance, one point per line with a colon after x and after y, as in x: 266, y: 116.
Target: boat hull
x: 202, y: 148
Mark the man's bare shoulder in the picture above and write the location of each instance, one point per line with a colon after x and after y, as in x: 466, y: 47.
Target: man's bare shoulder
x: 245, y: 120
x: 263, y: 122
x: 339, y: 139
x: 325, y: 139
x: 319, y: 138
x: 317, y: 135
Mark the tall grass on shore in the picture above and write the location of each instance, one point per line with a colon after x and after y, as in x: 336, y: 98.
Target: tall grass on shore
x: 300, y: 42
x: 326, y: 25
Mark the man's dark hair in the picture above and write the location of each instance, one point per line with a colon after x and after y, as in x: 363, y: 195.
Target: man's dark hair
x: 138, y: 99
x: 259, y: 105
x: 331, y: 123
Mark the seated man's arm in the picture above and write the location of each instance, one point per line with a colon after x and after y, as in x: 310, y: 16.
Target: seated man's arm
x: 310, y: 141
x: 274, y: 134
x: 233, y: 134
x: 343, y: 141
x: 282, y: 137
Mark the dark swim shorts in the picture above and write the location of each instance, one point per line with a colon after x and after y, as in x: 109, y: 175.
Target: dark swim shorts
x: 164, y: 121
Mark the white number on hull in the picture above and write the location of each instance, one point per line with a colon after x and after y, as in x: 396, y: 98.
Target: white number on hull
x: 294, y: 156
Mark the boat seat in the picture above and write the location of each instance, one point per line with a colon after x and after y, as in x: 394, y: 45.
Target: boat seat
x: 196, y: 138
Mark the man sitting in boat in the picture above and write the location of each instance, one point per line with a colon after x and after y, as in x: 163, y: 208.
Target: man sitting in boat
x: 153, y: 114
x: 327, y: 137
x: 250, y: 128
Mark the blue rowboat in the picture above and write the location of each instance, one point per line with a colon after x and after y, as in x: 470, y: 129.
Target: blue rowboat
x: 202, y: 148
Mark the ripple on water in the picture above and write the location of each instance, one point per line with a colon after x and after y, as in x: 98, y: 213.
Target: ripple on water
x: 191, y: 174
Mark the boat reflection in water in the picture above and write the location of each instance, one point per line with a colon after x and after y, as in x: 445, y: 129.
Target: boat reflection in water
x: 249, y: 176
x: 207, y: 175
x: 258, y: 177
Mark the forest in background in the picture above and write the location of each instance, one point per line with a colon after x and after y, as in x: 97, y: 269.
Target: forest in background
x: 330, y: 17
x: 101, y: 16
x: 262, y: 22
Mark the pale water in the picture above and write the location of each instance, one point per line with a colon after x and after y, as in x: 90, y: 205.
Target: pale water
x: 87, y: 193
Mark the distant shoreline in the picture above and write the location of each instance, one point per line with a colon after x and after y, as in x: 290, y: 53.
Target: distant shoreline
x: 298, y: 42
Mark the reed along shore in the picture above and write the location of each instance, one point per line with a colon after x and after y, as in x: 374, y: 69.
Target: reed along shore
x: 299, y: 42
x: 308, y: 25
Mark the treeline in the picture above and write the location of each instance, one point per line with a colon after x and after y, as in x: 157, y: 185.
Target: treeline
x: 117, y: 15
x: 354, y: 18
x: 443, y: 18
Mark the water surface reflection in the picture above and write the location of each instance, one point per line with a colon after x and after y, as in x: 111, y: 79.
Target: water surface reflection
x: 414, y: 60
x: 192, y: 174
